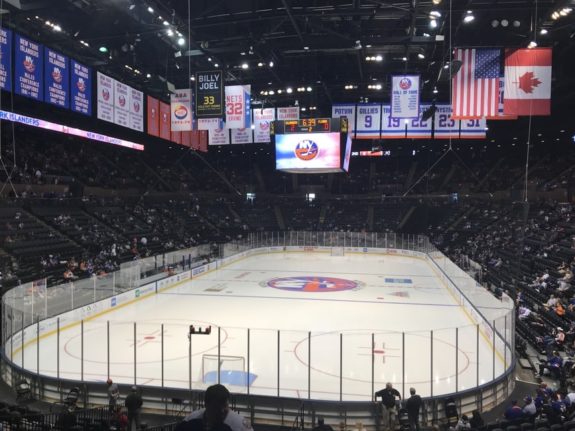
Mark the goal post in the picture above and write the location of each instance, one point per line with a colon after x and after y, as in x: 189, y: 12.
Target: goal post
x: 337, y: 251
x: 231, y: 369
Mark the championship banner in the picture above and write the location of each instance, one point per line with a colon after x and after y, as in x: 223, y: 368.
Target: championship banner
x: 368, y: 121
x: 29, y: 67
x: 445, y: 126
x: 238, y: 106
x: 153, y: 116
x: 181, y: 110
x: 219, y: 136
x: 5, y: 59
x: 348, y: 111
x: 57, y: 78
x: 209, y: 94
x: 418, y: 128
x: 262, y: 121
x: 473, y: 129
x: 121, y: 104
x: 289, y: 113
x: 392, y: 128
x: 165, y: 121
x: 242, y: 136
x: 136, y: 110
x: 81, y: 88
x: 105, y: 89
x: 210, y: 123
x: 405, y: 96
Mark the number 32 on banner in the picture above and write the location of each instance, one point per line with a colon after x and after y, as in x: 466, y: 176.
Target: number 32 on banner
x: 209, y: 100
x: 234, y: 108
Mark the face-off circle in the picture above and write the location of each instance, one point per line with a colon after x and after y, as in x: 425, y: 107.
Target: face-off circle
x: 312, y: 284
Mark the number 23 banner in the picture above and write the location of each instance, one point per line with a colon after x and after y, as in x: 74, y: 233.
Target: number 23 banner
x: 238, y: 109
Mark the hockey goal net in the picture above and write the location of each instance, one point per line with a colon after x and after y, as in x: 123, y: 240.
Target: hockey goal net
x: 337, y: 251
x: 225, y: 364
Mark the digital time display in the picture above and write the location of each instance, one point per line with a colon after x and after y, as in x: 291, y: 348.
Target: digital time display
x: 307, y: 125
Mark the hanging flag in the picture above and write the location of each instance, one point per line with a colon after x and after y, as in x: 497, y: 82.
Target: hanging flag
x: 238, y: 109
x: 475, y: 87
x: 500, y: 115
x: 181, y: 110
x: 405, y: 96
x: 527, y: 82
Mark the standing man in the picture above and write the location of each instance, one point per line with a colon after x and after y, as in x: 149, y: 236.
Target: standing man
x: 113, y: 395
x: 134, y: 405
x: 217, y: 415
x: 388, y: 408
x: 413, y: 406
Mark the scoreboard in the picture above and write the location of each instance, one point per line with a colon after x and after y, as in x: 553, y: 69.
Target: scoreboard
x: 309, y: 125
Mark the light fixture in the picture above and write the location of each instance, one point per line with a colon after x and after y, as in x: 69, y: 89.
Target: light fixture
x: 271, y: 64
x: 435, y: 90
x: 210, y: 59
x: 245, y: 66
x: 150, y: 9
x: 468, y: 17
x: 404, y: 58
x: 303, y: 108
x: 436, y: 2
x: 280, y: 91
x: 57, y: 28
x: 306, y: 48
x: 170, y: 32
x: 544, y: 31
x: 433, y: 23
x: 308, y: 89
x: 271, y: 92
x: 532, y: 44
x: 378, y: 58
x: 421, y: 56
x: 260, y: 64
x: 166, y: 23
x: 435, y: 14
x: 495, y: 23
x: 289, y: 90
x: 192, y: 78
x: 216, y: 65
x: 103, y: 49
x: 148, y: 75
x: 516, y: 24
x: 504, y: 23
x: 181, y: 41
x: 426, y: 35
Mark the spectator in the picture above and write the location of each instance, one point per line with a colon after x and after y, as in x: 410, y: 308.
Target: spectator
x: 134, y: 404
x: 321, y: 426
x: 513, y: 412
x: 388, y: 405
x: 216, y: 416
x: 113, y: 394
x: 553, y: 364
x: 463, y: 424
x: 476, y: 420
x: 529, y: 409
x: 413, y: 406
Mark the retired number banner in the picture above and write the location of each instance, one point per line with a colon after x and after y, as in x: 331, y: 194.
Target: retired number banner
x: 238, y: 107
x: 209, y: 94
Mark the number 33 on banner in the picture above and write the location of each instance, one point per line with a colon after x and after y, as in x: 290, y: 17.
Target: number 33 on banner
x: 209, y: 100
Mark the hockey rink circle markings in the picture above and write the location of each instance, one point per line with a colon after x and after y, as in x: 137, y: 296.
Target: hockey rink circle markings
x: 302, y: 358
x: 312, y: 283
x: 68, y: 348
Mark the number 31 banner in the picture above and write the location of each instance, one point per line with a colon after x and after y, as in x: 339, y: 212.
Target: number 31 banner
x: 238, y: 109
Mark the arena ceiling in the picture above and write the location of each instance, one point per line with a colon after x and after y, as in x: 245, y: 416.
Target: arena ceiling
x: 333, y: 50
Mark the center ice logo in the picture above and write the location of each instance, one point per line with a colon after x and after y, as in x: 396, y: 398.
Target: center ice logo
x: 306, y: 150
x: 312, y: 284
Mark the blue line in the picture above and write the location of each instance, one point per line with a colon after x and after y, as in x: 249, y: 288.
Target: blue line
x: 312, y: 299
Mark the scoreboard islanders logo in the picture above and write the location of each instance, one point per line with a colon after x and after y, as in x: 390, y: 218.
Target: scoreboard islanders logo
x: 405, y: 84
x: 306, y: 150
x: 312, y: 284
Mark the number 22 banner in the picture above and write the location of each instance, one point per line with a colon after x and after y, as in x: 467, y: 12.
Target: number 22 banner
x: 238, y: 107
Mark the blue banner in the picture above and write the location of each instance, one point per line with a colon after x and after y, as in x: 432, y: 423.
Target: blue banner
x: 81, y: 88
x: 5, y: 59
x: 57, y: 78
x: 28, y: 70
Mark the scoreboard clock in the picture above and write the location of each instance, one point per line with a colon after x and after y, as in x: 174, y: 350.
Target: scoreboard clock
x: 309, y: 125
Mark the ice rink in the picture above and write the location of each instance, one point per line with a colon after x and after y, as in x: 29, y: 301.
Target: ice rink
x: 312, y: 318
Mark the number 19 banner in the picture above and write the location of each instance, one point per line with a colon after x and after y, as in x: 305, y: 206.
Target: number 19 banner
x: 238, y: 107
x: 405, y: 96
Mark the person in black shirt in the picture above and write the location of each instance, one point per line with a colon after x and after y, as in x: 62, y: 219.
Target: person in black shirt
x: 133, y: 404
x: 388, y: 405
x: 413, y: 406
x: 321, y: 426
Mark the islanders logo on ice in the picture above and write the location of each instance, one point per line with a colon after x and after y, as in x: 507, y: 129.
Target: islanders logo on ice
x: 405, y: 84
x: 312, y: 284
x: 306, y: 150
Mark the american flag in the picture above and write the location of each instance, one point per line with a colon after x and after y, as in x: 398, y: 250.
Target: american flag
x: 476, y: 85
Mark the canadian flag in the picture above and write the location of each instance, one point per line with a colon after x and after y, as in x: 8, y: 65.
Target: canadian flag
x: 527, y: 82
